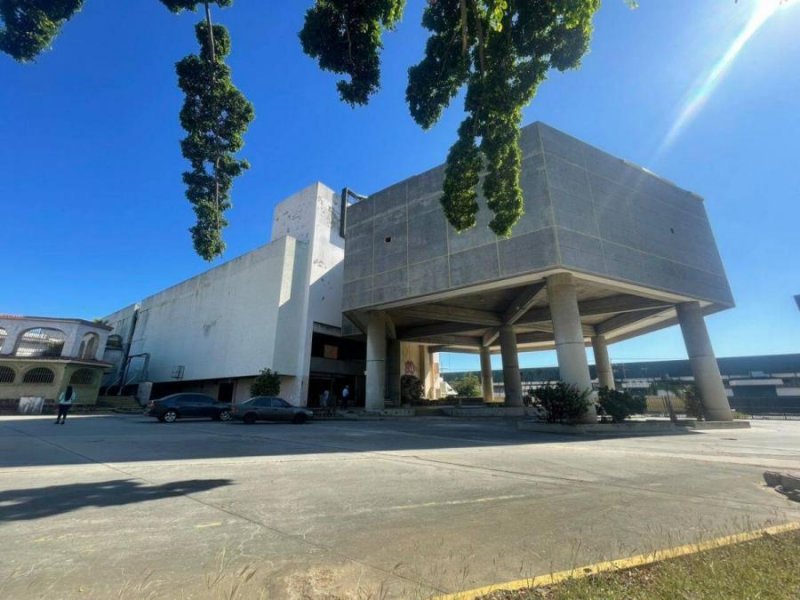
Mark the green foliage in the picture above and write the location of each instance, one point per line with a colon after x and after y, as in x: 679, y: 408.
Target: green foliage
x: 500, y: 50
x: 620, y: 404
x: 561, y: 402
x: 468, y: 386
x: 268, y: 383
x: 411, y: 389
x: 694, y: 405
x: 345, y: 37
x: 215, y: 116
x: 30, y: 26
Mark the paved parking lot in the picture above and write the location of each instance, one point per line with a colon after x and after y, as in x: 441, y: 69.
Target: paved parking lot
x: 126, y: 507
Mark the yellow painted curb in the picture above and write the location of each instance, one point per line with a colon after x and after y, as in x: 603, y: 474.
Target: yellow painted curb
x: 622, y: 563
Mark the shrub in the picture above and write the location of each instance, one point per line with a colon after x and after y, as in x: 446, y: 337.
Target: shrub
x: 694, y: 406
x: 468, y: 386
x: 561, y: 402
x: 411, y: 389
x: 620, y: 404
x: 268, y: 383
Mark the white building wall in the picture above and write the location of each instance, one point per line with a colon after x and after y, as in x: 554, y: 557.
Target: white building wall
x: 220, y: 324
x: 254, y: 312
x: 313, y: 216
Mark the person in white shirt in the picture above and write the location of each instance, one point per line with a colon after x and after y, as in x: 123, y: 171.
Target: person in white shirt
x: 65, y: 400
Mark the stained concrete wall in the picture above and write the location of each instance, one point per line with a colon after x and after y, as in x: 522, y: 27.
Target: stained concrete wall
x: 222, y: 323
x: 250, y: 313
x: 585, y: 210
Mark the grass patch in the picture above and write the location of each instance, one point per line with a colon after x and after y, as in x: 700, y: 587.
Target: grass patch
x: 765, y: 568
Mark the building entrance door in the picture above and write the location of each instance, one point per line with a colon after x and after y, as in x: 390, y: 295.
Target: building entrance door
x: 225, y: 392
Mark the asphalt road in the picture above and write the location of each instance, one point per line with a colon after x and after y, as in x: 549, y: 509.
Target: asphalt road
x: 126, y: 507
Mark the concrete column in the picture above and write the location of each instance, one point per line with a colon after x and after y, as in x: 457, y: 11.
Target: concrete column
x: 568, y: 331
x: 602, y: 364
x: 394, y: 369
x: 511, y: 378
x: 703, y: 362
x: 486, y: 374
x: 376, y: 363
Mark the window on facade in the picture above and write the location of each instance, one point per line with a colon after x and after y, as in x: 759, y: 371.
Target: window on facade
x: 114, y: 342
x: 330, y: 351
x: 41, y: 342
x: 39, y: 375
x: 3, y: 337
x: 7, y: 375
x: 82, y: 377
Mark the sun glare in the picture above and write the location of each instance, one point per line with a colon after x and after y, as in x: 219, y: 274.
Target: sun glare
x: 699, y: 94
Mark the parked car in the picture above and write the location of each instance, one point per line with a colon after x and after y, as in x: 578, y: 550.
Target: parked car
x: 188, y: 406
x: 269, y: 408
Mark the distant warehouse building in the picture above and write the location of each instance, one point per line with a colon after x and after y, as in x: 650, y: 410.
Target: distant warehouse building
x: 753, y: 384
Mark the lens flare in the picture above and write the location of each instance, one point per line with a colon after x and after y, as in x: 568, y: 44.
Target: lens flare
x: 706, y: 84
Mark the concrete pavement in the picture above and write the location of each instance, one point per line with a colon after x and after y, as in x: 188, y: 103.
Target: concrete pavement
x: 126, y: 507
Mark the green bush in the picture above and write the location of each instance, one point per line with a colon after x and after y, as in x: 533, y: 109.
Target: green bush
x: 620, y: 404
x: 411, y: 389
x: 694, y: 406
x: 561, y: 402
x: 268, y: 383
x: 468, y: 386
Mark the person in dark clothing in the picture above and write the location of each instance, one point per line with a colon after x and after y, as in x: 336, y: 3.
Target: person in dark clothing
x: 65, y: 400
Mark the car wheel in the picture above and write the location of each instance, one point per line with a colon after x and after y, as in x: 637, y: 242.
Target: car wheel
x: 170, y: 416
x: 224, y: 415
x: 249, y: 418
x: 299, y: 419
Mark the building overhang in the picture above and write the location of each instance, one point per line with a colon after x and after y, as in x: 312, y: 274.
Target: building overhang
x: 468, y: 319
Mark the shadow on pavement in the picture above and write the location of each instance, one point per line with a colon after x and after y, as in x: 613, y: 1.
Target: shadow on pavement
x: 35, y: 441
x: 37, y: 503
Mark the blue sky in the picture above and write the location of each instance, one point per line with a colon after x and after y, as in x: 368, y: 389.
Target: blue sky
x: 95, y: 215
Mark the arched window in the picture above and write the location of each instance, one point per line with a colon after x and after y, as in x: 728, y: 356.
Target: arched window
x: 7, y: 375
x: 39, y: 375
x: 82, y: 377
x: 3, y: 337
x: 41, y: 342
x: 89, y: 346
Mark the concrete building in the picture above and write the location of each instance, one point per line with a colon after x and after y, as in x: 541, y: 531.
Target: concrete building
x: 605, y: 251
x: 41, y: 356
x: 277, y: 307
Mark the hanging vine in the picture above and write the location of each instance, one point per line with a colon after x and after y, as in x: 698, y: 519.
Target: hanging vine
x: 215, y: 116
x: 500, y: 50
x: 345, y: 37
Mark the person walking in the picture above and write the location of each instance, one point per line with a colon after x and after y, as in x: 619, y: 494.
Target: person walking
x: 345, y: 396
x: 65, y: 400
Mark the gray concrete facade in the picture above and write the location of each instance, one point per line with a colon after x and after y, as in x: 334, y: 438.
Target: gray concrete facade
x: 619, y: 248
x: 585, y: 211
